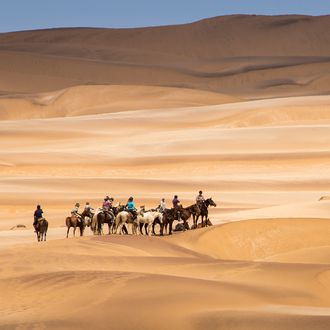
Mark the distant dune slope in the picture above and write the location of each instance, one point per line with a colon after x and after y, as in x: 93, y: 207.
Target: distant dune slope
x: 88, y: 100
x: 250, y: 56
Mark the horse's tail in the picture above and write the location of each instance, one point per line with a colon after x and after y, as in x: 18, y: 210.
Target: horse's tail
x: 119, y: 219
x: 159, y: 217
x: 45, y: 226
x: 99, y: 223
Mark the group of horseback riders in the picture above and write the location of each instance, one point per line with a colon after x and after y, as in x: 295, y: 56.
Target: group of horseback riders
x: 107, y: 207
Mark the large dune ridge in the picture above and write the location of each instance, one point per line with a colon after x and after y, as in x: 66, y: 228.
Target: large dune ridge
x: 237, y: 106
x: 248, y: 56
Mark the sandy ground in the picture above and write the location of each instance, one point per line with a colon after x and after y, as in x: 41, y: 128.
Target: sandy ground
x: 79, y: 123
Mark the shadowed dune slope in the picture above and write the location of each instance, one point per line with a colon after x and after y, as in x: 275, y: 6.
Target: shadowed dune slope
x: 294, y: 240
x: 249, y: 56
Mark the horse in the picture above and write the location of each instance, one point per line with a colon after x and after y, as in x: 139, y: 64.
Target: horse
x: 204, y: 211
x: 169, y: 215
x: 87, y: 216
x: 187, y: 212
x: 98, y: 221
x: 41, y: 229
x: 125, y: 217
x: 74, y: 222
x: 102, y: 218
x: 148, y: 218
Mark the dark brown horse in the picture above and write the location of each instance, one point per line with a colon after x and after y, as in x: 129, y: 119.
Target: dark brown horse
x: 101, y: 219
x: 106, y: 217
x: 187, y: 212
x: 87, y: 217
x: 74, y: 222
x: 41, y: 229
x: 204, y: 212
x: 169, y: 215
x: 179, y: 213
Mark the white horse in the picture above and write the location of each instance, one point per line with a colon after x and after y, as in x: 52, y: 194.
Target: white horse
x: 125, y: 217
x: 93, y: 224
x: 149, y: 218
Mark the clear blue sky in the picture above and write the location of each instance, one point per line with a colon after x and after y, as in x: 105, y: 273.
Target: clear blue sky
x: 35, y: 14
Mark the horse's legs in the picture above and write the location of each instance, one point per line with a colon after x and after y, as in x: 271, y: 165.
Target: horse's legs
x: 141, y: 227
x: 170, y: 227
x: 119, y: 227
x: 153, y: 227
x: 150, y: 228
x: 74, y: 231
x: 161, y: 229
x: 196, y: 221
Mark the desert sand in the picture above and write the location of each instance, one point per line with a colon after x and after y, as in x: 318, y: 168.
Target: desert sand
x: 237, y: 106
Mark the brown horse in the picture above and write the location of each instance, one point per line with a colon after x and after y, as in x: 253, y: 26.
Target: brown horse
x: 204, y: 212
x: 87, y: 217
x: 169, y: 215
x: 74, y: 222
x: 179, y: 213
x: 101, y: 219
x: 187, y: 212
x: 41, y: 229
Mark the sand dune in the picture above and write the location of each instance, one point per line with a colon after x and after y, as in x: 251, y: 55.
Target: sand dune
x: 237, y: 106
x: 248, y: 56
x: 277, y: 154
x: 137, y: 272
x: 87, y: 100
x: 264, y: 240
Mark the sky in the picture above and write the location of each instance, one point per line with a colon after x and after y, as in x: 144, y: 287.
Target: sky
x: 18, y: 15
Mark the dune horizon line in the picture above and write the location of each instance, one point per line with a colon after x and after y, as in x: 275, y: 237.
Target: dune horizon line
x: 193, y: 21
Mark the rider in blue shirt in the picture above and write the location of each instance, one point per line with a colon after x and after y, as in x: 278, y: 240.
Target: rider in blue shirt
x: 131, y: 207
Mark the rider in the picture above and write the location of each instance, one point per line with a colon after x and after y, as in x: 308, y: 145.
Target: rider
x: 106, y: 203
x: 111, y: 199
x: 200, y: 199
x: 37, y: 215
x: 176, y: 204
x: 88, y: 209
x: 74, y: 211
x: 131, y: 207
x: 162, y: 205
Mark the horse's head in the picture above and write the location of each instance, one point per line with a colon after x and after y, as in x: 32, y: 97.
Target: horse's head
x: 211, y: 202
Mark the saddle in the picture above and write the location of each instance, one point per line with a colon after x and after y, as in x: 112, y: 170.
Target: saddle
x: 132, y: 216
x: 39, y: 220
